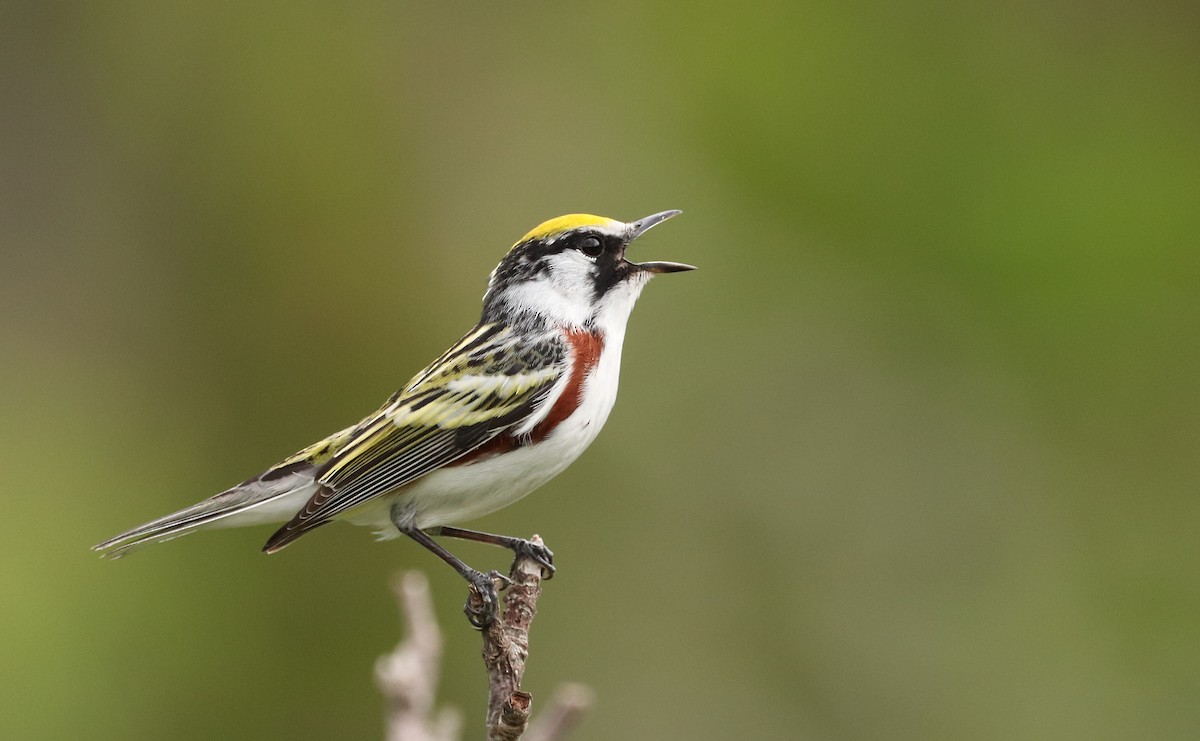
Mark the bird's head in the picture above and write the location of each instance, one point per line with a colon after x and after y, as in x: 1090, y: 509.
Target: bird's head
x: 572, y: 271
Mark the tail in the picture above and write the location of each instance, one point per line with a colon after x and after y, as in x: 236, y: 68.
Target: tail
x: 257, y: 501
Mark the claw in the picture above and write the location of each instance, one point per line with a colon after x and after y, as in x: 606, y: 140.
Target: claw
x: 504, y: 581
x: 540, y: 553
x: 482, y: 601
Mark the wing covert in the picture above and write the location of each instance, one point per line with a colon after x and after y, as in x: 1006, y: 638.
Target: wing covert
x: 484, y: 385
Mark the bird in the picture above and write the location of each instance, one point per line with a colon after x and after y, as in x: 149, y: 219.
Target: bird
x: 507, y: 408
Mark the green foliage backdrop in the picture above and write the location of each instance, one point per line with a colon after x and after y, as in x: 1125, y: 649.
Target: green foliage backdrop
x: 912, y: 456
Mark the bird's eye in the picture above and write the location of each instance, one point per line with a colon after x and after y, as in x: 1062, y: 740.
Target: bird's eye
x: 591, y: 246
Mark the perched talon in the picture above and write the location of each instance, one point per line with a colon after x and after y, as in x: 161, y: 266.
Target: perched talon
x: 483, y: 592
x: 539, y: 553
x: 481, y: 617
x: 505, y: 582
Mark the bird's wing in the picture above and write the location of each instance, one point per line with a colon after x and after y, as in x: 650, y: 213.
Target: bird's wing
x: 490, y: 381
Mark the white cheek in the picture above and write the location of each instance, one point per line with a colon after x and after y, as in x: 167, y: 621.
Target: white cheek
x: 564, y: 295
x: 572, y: 274
x: 560, y: 302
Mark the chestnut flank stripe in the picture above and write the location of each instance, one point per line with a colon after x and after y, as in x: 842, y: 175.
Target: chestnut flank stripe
x: 585, y: 354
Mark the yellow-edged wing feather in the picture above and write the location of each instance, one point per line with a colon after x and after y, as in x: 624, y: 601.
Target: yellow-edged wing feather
x: 487, y: 383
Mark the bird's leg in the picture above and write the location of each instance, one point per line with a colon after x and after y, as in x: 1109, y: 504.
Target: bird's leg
x: 519, y: 546
x: 484, y: 585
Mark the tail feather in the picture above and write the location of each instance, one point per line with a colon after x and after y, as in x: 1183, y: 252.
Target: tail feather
x: 255, y: 502
x: 174, y: 525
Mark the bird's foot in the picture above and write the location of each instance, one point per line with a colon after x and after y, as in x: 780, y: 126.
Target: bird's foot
x: 482, y: 600
x: 540, y: 553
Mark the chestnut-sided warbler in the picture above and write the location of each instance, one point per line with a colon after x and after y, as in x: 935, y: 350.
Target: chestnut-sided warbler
x: 500, y: 413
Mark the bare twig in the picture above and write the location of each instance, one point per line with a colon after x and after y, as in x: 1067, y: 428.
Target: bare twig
x: 408, y: 676
x: 506, y: 647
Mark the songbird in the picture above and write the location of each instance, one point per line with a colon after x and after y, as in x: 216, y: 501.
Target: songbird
x: 503, y: 411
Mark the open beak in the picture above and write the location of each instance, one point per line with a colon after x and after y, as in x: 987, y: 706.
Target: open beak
x: 641, y: 226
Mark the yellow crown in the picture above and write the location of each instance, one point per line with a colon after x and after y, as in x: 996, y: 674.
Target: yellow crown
x: 561, y: 224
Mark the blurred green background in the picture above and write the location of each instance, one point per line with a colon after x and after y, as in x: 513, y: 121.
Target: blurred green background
x: 912, y: 456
